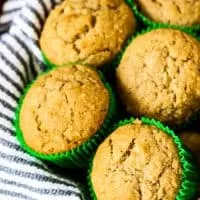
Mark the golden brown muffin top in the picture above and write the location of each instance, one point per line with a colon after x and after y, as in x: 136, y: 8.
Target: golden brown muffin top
x: 136, y: 162
x: 159, y: 76
x: 179, y: 12
x: 91, y: 31
x: 63, y: 109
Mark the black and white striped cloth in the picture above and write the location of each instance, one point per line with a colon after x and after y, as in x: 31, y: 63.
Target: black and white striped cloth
x: 22, y: 176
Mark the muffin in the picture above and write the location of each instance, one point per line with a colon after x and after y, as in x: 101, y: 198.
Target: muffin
x: 87, y: 31
x: 192, y: 141
x: 176, y: 12
x: 159, y: 76
x: 62, y: 110
x: 139, y: 161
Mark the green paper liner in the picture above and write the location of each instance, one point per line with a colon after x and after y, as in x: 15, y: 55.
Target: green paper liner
x: 47, y: 62
x: 77, y: 157
x: 190, y: 172
x: 148, y: 22
x: 189, y: 123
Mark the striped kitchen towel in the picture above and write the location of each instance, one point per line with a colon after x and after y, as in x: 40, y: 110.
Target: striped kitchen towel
x: 22, y: 176
x: 9, y: 9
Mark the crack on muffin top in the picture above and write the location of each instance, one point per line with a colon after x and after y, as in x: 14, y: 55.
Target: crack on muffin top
x: 179, y: 12
x: 151, y: 168
x: 63, y: 109
x: 159, y: 76
x: 90, y: 31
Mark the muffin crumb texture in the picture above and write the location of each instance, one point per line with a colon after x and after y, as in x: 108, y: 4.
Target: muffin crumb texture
x: 63, y: 109
x: 177, y: 12
x: 90, y: 31
x: 159, y: 76
x: 136, y: 162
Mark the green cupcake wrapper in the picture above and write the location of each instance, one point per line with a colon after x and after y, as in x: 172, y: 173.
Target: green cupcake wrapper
x: 77, y: 157
x: 190, y: 172
x: 148, y: 22
x: 47, y: 62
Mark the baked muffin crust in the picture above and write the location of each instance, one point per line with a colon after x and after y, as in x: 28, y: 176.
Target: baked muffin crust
x: 63, y: 109
x: 90, y: 31
x: 177, y: 12
x: 136, y: 162
x: 159, y: 76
